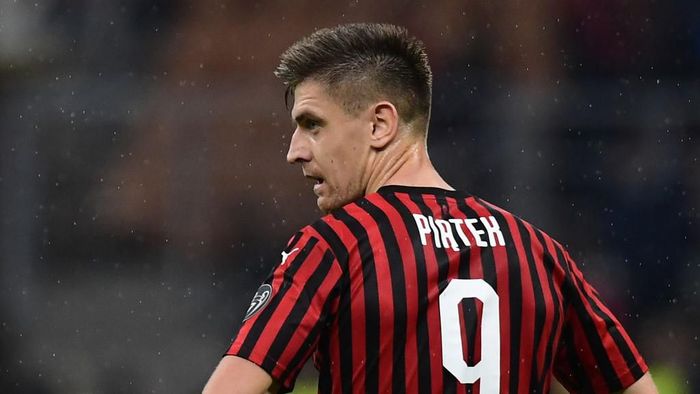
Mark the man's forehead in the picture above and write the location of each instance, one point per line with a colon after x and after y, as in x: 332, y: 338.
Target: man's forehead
x: 310, y: 95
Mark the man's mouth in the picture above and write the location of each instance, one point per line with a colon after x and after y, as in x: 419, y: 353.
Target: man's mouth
x: 319, y: 181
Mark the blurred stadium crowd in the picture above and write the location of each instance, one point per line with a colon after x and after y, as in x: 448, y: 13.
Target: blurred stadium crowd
x: 144, y: 192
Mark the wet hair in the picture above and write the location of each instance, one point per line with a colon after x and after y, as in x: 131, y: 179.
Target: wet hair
x: 361, y: 63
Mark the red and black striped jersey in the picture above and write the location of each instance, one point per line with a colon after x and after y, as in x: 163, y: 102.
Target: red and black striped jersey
x: 424, y: 290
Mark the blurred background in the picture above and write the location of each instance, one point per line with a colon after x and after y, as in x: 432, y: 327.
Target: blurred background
x: 144, y: 192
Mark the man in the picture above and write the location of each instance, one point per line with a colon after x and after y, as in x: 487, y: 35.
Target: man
x: 407, y: 285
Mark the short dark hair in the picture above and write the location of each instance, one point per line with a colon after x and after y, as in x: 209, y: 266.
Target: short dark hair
x: 363, y: 62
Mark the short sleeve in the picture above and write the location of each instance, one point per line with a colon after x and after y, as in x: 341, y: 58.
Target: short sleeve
x: 284, y: 321
x: 595, y: 355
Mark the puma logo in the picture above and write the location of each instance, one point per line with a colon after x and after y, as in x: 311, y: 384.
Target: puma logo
x: 285, y: 255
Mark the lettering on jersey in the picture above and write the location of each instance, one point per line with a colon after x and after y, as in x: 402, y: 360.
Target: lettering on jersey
x: 260, y: 300
x: 452, y: 233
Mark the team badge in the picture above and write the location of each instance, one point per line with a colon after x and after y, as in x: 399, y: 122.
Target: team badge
x: 260, y: 300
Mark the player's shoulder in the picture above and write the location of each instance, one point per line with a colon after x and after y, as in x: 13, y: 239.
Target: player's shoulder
x: 344, y: 228
x: 329, y: 232
x: 516, y: 223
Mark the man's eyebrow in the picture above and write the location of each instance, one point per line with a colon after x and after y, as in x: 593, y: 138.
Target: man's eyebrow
x: 298, y: 119
x: 304, y: 116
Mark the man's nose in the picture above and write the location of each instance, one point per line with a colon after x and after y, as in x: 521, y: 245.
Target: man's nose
x: 298, y: 149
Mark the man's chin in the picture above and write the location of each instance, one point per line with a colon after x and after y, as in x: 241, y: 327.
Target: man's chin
x: 323, y: 206
x: 327, y: 205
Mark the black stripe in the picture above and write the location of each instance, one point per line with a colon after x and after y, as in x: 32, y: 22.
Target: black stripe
x: 443, y: 260
x: 398, y: 286
x: 333, y: 240
x: 601, y: 354
x: 578, y: 379
x: 322, y: 360
x: 594, y: 341
x: 296, y: 315
x: 344, y: 316
x: 449, y: 383
x: 622, y: 345
x: 561, y: 262
x: 468, y: 305
x: 420, y: 190
x: 424, y: 372
x: 325, y: 378
x: 277, y: 298
x: 290, y: 245
x: 345, y: 329
x: 540, y: 305
x: 515, y: 298
x: 371, y: 293
x: 549, y: 265
x: 294, y: 240
x: 469, y: 310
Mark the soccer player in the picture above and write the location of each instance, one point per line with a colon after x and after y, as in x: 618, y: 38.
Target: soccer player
x: 407, y: 285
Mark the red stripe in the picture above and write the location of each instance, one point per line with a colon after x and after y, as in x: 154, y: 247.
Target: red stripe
x: 297, y: 369
x: 558, y: 278
x: 334, y: 338
x: 432, y: 313
x: 500, y: 256
x: 334, y: 356
x: 310, y: 319
x: 281, y: 313
x: 527, y: 327
x: 476, y: 271
x: 453, y: 260
x: 538, y: 254
x: 411, y: 282
x: 357, y: 303
x: 244, y: 331
x: 452, y: 255
x: 611, y: 347
x: 585, y: 354
x: 386, y: 301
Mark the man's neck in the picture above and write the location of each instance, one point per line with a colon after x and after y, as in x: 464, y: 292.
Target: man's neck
x: 405, y: 163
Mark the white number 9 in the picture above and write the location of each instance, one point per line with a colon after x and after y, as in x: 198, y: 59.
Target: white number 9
x: 453, y: 359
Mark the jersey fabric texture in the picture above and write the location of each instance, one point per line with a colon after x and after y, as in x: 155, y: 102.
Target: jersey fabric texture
x: 360, y: 292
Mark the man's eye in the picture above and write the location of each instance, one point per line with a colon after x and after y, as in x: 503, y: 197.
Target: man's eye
x: 310, y: 124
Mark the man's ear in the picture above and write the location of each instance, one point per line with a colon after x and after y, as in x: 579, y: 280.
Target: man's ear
x: 385, y: 123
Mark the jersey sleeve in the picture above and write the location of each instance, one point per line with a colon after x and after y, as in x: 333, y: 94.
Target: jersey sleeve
x: 283, y: 323
x: 595, y: 355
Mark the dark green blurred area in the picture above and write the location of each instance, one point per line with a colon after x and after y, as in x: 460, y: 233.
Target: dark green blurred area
x: 144, y: 192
